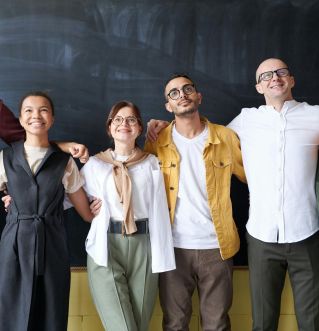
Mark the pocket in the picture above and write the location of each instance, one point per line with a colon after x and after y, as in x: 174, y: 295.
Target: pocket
x: 222, y: 162
x: 222, y: 172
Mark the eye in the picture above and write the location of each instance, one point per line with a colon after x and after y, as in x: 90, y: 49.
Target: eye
x: 174, y: 94
x: 188, y: 89
x: 282, y: 72
x: 266, y: 75
x: 117, y: 120
x: 131, y: 120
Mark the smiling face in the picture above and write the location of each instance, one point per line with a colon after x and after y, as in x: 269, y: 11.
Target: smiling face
x: 277, y: 88
x: 36, y: 115
x: 186, y: 104
x: 127, y: 131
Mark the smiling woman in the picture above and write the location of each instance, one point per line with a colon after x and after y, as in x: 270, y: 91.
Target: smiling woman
x: 35, y: 271
x: 130, y: 241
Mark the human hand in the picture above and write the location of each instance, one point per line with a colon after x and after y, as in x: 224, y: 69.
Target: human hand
x: 154, y: 127
x: 6, y: 201
x: 79, y: 151
x: 95, y: 206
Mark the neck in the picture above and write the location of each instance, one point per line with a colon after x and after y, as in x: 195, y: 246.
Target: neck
x: 189, y: 126
x: 37, y: 141
x: 278, y: 103
x: 124, y: 149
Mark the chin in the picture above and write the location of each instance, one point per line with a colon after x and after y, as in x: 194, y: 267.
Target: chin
x: 186, y: 112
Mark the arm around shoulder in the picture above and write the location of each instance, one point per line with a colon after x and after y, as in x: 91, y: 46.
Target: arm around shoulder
x: 150, y: 147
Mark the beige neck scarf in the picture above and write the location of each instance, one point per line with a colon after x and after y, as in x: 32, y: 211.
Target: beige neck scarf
x: 123, y: 183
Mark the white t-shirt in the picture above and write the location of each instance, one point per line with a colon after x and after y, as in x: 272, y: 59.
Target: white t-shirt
x: 193, y: 227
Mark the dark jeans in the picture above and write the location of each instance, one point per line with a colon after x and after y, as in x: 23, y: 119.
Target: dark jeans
x: 212, y: 276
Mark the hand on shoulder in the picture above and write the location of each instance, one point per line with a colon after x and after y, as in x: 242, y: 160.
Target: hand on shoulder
x: 154, y: 127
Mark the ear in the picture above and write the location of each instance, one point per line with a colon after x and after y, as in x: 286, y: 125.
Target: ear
x: 168, y: 107
x: 259, y: 89
x: 292, y: 81
x: 200, y: 98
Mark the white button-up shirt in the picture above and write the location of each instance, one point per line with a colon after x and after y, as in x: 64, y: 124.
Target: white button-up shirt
x: 280, y: 152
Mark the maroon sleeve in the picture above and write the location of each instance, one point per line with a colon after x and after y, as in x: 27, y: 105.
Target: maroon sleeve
x: 10, y: 128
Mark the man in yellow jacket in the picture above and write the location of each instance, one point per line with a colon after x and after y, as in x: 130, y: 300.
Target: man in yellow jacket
x: 197, y: 159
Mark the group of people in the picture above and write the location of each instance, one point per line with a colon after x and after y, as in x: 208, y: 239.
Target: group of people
x: 165, y: 210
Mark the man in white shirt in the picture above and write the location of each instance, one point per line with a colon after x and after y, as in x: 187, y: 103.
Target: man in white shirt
x: 279, y: 144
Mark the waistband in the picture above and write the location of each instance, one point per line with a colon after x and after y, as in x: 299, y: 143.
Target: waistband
x: 115, y: 226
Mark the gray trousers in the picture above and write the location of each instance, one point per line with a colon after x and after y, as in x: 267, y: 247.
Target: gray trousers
x: 212, y: 276
x: 125, y: 292
x: 268, y: 264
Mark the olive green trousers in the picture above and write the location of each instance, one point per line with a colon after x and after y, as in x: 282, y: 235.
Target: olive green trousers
x: 125, y: 292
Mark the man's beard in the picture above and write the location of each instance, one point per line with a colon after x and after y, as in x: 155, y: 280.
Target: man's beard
x: 186, y: 113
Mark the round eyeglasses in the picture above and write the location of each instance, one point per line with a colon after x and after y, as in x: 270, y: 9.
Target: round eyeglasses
x: 130, y: 120
x: 187, y: 89
x: 268, y: 75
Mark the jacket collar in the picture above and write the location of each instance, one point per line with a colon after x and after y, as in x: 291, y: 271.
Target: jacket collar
x: 165, y: 138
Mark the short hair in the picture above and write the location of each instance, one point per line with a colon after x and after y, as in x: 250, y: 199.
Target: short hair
x: 177, y: 75
x: 117, y: 107
x: 37, y: 94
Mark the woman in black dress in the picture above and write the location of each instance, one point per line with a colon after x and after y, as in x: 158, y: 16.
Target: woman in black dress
x: 35, y: 271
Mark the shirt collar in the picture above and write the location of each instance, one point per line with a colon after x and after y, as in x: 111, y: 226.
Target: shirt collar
x: 287, y: 106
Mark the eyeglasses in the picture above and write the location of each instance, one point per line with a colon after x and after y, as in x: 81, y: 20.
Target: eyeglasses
x: 268, y: 75
x: 187, y: 89
x: 130, y: 120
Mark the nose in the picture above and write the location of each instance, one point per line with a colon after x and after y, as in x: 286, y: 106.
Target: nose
x: 36, y: 113
x: 273, y: 76
x: 182, y: 94
x: 125, y: 122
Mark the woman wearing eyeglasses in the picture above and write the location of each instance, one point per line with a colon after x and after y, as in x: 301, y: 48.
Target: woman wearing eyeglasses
x: 130, y: 240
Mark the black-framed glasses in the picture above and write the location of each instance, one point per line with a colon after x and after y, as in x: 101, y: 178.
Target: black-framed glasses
x: 268, y: 75
x: 130, y: 120
x: 187, y: 89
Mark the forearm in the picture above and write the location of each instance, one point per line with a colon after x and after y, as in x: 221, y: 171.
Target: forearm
x: 81, y: 204
x: 76, y: 150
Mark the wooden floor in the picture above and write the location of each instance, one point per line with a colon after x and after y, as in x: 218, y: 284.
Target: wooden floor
x: 83, y: 316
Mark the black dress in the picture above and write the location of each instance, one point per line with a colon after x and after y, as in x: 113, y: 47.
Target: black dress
x: 34, y: 260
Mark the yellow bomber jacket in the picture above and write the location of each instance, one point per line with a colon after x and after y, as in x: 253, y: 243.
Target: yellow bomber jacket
x: 222, y: 157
